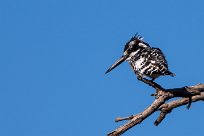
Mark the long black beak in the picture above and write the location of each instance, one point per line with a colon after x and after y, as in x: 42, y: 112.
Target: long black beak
x: 118, y: 62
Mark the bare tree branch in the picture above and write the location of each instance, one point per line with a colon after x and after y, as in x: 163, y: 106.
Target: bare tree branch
x: 189, y: 94
x: 168, y: 107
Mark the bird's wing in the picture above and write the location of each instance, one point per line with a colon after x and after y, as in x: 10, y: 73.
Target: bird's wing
x: 158, y: 60
x: 157, y: 57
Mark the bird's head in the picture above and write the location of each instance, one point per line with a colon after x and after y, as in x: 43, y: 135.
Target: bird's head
x: 131, y: 48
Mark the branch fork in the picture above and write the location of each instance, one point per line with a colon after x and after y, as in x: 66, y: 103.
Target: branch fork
x: 188, y: 95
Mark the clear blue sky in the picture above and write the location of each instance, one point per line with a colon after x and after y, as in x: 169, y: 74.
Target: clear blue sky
x: 53, y: 55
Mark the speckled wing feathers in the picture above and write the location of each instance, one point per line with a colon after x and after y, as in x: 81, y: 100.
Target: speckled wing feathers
x: 150, y: 62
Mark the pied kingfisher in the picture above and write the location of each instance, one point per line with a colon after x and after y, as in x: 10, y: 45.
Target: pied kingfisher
x: 145, y: 61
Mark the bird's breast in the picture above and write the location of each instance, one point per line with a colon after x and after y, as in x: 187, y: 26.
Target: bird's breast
x: 137, y: 64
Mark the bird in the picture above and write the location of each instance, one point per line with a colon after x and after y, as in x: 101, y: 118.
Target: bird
x: 145, y: 61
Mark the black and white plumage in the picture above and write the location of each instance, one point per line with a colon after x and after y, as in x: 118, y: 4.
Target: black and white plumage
x: 145, y: 61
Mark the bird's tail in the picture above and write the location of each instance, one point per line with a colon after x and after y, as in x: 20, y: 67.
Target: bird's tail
x: 169, y: 73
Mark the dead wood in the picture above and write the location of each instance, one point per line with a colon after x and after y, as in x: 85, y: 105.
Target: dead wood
x: 186, y: 95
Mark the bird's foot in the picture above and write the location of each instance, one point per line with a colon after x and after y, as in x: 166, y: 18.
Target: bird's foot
x: 152, y: 79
